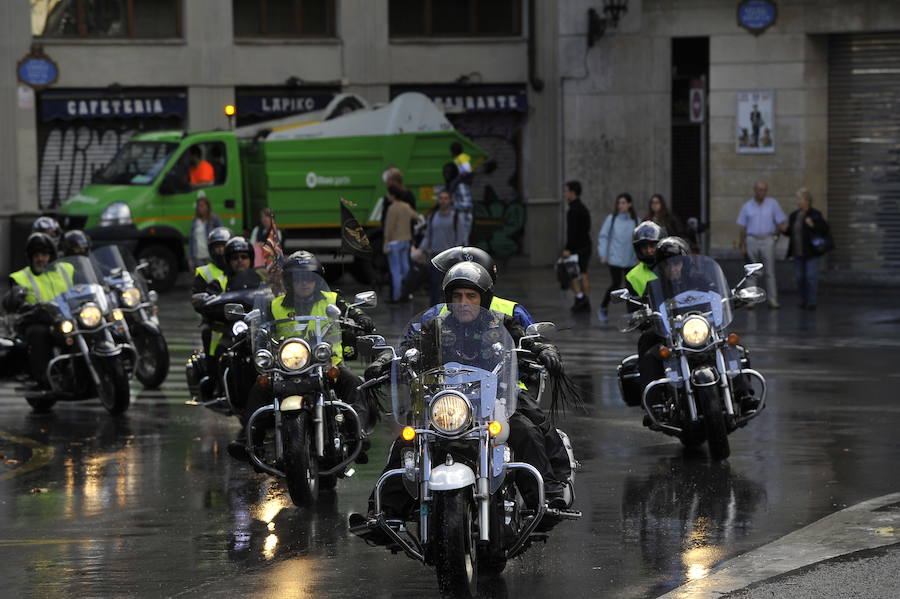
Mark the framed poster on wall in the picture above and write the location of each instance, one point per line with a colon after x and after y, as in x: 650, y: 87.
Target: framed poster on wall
x: 755, y: 127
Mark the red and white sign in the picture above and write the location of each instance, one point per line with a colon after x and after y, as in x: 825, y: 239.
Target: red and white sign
x: 697, y: 103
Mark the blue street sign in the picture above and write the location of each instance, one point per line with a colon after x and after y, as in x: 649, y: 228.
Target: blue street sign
x: 756, y: 15
x: 38, y: 72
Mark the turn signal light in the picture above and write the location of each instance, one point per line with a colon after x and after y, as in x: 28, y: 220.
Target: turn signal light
x: 333, y: 373
x: 263, y: 381
x: 733, y: 339
x: 495, y: 428
x: 664, y: 352
x: 408, y: 434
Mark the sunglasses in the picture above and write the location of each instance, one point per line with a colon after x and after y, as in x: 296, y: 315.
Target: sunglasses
x: 240, y: 257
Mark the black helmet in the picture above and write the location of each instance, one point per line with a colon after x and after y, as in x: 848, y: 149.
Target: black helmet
x: 671, y: 246
x: 646, y: 235
x: 299, y: 266
x: 48, y: 226
x: 40, y: 243
x: 75, y: 243
x: 469, y: 275
x: 237, y: 245
x: 219, y: 235
x: 455, y: 255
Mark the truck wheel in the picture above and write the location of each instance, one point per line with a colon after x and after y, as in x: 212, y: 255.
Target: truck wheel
x: 163, y: 266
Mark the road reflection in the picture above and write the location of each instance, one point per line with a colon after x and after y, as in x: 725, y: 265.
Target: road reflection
x: 688, y: 514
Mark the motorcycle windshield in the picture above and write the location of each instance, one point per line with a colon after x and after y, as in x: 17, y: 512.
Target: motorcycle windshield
x: 461, y: 350
x: 75, y: 281
x: 686, y: 285
x: 294, y: 326
x: 120, y: 267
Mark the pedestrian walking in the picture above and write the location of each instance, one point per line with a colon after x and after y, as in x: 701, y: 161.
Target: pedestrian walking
x: 659, y: 213
x: 461, y: 192
x: 265, y: 231
x: 761, y: 220
x: 615, y: 248
x: 397, y: 240
x: 205, y: 220
x: 444, y: 230
x: 578, y: 242
x: 809, y: 238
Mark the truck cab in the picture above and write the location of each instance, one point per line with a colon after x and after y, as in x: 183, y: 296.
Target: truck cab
x: 144, y: 199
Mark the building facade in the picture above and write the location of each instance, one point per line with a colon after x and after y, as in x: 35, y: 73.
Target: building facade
x: 809, y: 102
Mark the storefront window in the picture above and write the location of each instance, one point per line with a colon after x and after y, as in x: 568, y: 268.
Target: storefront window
x: 284, y: 18
x: 459, y: 18
x: 106, y: 18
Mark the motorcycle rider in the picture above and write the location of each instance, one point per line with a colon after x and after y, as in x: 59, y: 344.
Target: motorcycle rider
x: 75, y: 243
x: 468, y: 283
x: 556, y: 449
x: 644, y: 239
x: 206, y: 275
x: 28, y: 287
x: 303, y: 277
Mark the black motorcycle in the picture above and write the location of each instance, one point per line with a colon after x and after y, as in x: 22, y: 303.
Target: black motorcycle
x: 138, y: 303
x: 88, y: 360
x: 708, y: 390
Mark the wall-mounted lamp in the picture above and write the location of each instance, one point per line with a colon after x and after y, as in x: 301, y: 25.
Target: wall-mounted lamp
x: 293, y: 81
x: 613, y: 10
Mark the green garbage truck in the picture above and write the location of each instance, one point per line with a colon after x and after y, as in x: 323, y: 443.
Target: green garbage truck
x: 145, y: 197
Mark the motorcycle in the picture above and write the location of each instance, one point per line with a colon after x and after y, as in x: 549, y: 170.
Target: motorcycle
x: 138, y: 303
x: 454, y: 396
x: 88, y: 361
x: 306, y: 435
x: 708, y: 390
x: 223, y: 386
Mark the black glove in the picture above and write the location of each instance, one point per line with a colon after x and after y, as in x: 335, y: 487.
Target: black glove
x: 550, y: 359
x: 375, y: 370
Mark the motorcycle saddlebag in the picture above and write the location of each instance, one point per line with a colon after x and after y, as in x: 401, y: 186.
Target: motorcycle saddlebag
x: 196, y: 372
x: 630, y: 381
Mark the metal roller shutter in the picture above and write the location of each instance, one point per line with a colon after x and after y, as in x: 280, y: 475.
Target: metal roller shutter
x: 864, y: 151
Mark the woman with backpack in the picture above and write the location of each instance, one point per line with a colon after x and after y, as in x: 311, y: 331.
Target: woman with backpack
x: 615, y: 248
x: 446, y: 229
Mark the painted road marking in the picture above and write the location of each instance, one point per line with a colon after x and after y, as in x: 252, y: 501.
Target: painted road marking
x: 41, y: 455
x: 866, y: 525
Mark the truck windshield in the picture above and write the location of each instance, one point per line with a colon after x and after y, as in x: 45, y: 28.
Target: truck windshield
x: 137, y: 163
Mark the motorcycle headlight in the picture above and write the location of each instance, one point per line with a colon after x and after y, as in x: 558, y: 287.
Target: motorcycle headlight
x: 131, y: 297
x: 294, y: 355
x: 239, y: 327
x: 450, y: 412
x: 117, y: 315
x: 322, y: 353
x: 90, y: 316
x: 66, y: 326
x: 695, y: 331
x: 263, y: 359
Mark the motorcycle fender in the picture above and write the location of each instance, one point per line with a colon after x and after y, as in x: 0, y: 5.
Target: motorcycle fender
x: 291, y: 403
x: 148, y: 326
x: 448, y: 478
x: 104, y: 349
x: 704, y: 376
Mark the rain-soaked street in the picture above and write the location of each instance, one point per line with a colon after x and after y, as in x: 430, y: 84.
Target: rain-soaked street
x: 150, y: 504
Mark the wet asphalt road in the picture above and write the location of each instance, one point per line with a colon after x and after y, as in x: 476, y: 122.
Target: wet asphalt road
x: 149, y: 504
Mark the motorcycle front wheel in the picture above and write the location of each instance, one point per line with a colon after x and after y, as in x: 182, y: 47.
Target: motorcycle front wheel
x: 41, y: 405
x: 113, y: 390
x: 300, y: 463
x: 152, y: 366
x: 714, y: 422
x: 456, y: 555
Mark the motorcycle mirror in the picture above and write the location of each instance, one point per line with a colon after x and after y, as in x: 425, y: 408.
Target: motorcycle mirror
x: 142, y: 265
x: 411, y: 356
x: 372, y: 341
x: 116, y: 272
x: 152, y: 295
x: 252, y: 315
x: 539, y: 328
x: 234, y: 312
x: 332, y: 311
x: 751, y: 269
x: 367, y: 299
x: 620, y: 295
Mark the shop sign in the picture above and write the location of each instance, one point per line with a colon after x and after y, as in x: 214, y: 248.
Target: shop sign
x: 281, y: 105
x: 456, y: 99
x: 112, y: 107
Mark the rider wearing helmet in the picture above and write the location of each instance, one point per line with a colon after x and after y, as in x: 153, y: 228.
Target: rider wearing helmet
x: 467, y: 287
x: 75, y: 243
x: 206, y: 275
x: 307, y: 294
x: 48, y: 226
x: 645, y: 238
x: 36, y: 283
